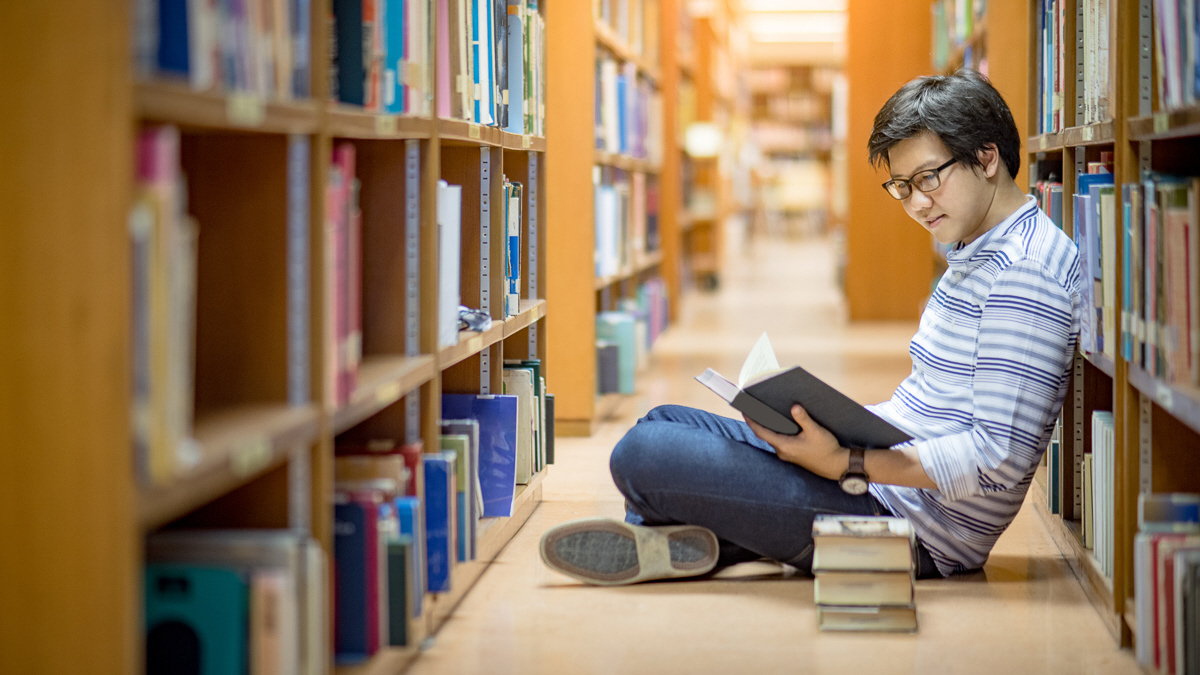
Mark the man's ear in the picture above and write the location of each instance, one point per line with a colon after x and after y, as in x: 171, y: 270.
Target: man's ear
x: 989, y: 156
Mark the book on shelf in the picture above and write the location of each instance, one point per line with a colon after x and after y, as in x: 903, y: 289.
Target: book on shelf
x: 440, y: 519
x: 863, y: 543
x: 343, y: 235
x: 469, y: 429
x: 360, y: 625
x: 1161, y: 309
x: 497, y: 416
x: 260, y: 48
x: 410, y: 453
x: 466, y: 517
x: 765, y: 393
x: 265, y: 589
x: 164, y: 242
x: 512, y: 247
x: 449, y: 220
x: 519, y: 382
x: 539, y: 406
x: 401, y: 568
x: 620, y: 328
x: 410, y: 517
x: 211, y: 602
x: 1164, y: 517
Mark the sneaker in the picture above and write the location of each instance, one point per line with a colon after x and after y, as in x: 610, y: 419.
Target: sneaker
x: 609, y: 552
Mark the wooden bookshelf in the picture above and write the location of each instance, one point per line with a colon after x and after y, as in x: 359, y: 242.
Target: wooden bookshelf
x: 1157, y: 421
x: 258, y: 459
x: 578, y: 39
x: 494, y: 534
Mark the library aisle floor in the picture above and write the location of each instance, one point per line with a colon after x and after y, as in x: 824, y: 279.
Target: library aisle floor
x: 1024, y: 613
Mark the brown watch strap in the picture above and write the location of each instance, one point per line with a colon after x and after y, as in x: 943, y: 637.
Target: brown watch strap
x: 858, y: 461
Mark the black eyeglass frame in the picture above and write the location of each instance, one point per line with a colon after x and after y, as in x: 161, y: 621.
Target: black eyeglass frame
x: 911, y: 182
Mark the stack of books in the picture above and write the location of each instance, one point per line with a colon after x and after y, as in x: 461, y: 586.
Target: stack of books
x: 865, y: 567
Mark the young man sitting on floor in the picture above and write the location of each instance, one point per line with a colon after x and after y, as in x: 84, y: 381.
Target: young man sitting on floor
x: 991, y: 360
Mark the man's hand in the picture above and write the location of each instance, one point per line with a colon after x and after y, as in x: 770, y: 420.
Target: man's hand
x: 814, y: 448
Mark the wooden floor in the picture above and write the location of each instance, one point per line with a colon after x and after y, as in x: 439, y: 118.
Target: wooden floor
x: 1024, y: 613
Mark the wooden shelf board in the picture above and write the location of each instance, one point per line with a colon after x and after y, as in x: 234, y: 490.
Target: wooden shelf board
x: 494, y: 534
x: 529, y: 142
x: 1100, y: 133
x: 347, y: 121
x: 235, y: 446
x: 1103, y: 362
x: 531, y: 311
x: 1181, y: 401
x: 644, y: 264
x: 1068, y: 537
x: 613, y: 43
x: 177, y: 103
x: 461, y: 132
x: 382, y: 380
x: 1045, y: 143
x: 1164, y: 125
x: 469, y: 344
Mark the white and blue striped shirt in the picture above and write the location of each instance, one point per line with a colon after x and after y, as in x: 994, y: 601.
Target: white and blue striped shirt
x: 991, y: 361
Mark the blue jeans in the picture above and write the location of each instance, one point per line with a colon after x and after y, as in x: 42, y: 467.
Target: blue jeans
x: 680, y: 465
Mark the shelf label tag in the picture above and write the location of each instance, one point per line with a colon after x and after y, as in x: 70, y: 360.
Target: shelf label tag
x: 251, y: 456
x: 245, y: 110
x: 475, y: 344
x: 1089, y: 133
x: 385, y: 125
x: 526, y: 142
x: 1162, y: 122
x: 473, y: 130
x: 388, y: 393
x: 1164, y: 396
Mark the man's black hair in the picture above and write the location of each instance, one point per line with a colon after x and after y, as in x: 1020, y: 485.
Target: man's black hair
x: 963, y: 110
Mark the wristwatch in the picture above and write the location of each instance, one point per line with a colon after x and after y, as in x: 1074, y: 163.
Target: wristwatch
x: 855, y: 480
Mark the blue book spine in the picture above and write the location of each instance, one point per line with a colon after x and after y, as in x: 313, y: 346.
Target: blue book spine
x: 622, y: 117
x: 351, y: 71
x: 516, y: 69
x: 497, y: 417
x: 173, y: 49
x: 412, y: 523
x: 350, y: 582
x: 439, y: 518
x: 394, y: 62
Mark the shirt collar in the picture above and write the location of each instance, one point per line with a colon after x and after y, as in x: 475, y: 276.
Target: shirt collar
x: 968, y: 257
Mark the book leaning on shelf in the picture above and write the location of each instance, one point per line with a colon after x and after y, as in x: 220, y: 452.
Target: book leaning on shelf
x: 243, y: 597
x: 765, y: 393
x: 1166, y: 564
x: 865, y: 571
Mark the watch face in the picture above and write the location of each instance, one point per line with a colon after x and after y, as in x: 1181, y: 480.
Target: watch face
x: 855, y: 484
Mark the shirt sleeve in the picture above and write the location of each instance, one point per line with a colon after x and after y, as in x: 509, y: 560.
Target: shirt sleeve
x: 1027, y: 331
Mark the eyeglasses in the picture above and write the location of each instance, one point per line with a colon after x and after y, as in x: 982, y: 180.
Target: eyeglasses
x: 925, y: 181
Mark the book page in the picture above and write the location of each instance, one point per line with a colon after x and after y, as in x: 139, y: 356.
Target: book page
x: 716, y: 382
x: 760, y: 360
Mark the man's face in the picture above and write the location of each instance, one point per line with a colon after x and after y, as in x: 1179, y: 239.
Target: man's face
x: 955, y: 210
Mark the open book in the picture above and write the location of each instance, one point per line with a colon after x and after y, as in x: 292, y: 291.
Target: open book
x: 765, y: 393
